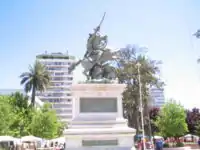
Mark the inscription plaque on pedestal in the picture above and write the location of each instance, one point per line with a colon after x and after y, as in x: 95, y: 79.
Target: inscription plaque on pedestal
x: 98, y: 105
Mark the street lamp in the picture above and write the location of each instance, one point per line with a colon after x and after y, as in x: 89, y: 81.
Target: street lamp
x: 141, y: 105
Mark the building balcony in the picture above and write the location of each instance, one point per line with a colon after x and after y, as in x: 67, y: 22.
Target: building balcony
x: 56, y: 78
x: 65, y: 116
x: 63, y: 111
x: 45, y: 98
x: 54, y: 93
x: 57, y: 100
x: 66, y: 81
x: 67, y: 87
x: 58, y: 66
x: 46, y: 94
x: 61, y: 105
x: 56, y: 63
x: 54, y: 96
x: 55, y: 56
x: 61, y: 74
x: 58, y: 71
x: 58, y: 89
x: 51, y: 97
x: 59, y: 83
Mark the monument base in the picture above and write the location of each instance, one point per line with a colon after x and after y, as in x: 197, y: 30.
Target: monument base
x: 116, y: 138
x: 98, y: 122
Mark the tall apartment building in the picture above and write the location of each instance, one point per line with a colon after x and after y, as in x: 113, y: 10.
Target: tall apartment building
x: 58, y: 93
x: 158, y: 98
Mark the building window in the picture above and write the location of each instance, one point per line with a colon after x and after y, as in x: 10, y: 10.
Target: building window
x: 70, y: 78
x: 68, y: 94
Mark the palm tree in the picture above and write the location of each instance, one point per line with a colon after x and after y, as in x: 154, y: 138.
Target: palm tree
x: 37, y: 79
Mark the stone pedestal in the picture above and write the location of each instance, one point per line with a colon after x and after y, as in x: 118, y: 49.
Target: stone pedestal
x: 98, y: 121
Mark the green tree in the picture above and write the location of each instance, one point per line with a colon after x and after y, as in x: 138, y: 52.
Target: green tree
x: 127, y: 72
x: 18, y: 118
x: 171, y: 121
x: 37, y: 78
x: 18, y: 101
x: 45, y: 123
x: 6, y: 115
x: 22, y: 114
x: 153, y: 114
x: 192, y: 119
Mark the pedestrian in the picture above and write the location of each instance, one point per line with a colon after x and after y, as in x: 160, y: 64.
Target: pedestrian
x: 199, y: 142
x: 159, y: 144
x: 142, y: 143
x: 139, y: 144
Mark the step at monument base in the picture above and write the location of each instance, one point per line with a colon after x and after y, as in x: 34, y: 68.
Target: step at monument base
x: 105, y: 138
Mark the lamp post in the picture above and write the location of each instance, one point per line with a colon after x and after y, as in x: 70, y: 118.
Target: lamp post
x: 141, y: 105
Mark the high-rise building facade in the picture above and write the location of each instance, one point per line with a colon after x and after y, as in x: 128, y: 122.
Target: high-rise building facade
x: 58, y: 93
x: 158, y: 98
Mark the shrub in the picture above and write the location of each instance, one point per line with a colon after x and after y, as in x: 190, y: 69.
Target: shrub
x: 179, y: 144
x: 165, y: 145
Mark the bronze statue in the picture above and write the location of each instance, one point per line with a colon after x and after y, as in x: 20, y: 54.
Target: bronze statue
x: 96, y: 61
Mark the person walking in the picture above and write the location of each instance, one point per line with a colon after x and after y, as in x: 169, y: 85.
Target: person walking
x: 139, y: 145
x: 199, y: 142
x: 159, y: 144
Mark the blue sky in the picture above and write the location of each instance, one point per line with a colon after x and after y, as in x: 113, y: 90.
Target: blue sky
x: 28, y: 28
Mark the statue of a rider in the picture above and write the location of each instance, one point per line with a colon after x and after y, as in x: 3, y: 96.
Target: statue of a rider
x: 96, y: 44
x: 96, y: 55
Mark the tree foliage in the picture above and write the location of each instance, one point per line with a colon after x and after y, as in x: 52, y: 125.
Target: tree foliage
x: 18, y: 118
x: 45, y: 123
x: 127, y: 73
x: 192, y: 119
x: 154, y: 114
x: 37, y: 78
x: 22, y: 114
x: 5, y: 115
x: 172, y: 120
